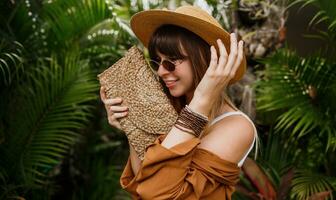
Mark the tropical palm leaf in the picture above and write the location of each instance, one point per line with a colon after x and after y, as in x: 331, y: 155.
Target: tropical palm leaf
x: 100, y: 28
x: 303, y: 89
x: 84, y: 21
x: 55, y: 106
x: 326, y: 13
x: 70, y: 20
x: 25, y: 26
x: 278, y: 153
x: 306, y: 184
x: 10, y: 61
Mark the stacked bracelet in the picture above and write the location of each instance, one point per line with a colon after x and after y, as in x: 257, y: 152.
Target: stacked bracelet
x: 191, y: 121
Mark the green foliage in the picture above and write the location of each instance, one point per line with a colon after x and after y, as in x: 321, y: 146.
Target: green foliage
x: 303, y: 88
x: 54, y: 52
x: 325, y: 14
x: 300, y: 92
x: 306, y: 184
x: 54, y: 107
x: 10, y: 61
x: 52, y: 126
x: 98, y: 159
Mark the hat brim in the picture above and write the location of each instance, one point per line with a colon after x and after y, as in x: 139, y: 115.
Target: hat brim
x: 144, y: 24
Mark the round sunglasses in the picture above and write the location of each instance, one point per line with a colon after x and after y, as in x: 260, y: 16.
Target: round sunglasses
x: 167, y: 64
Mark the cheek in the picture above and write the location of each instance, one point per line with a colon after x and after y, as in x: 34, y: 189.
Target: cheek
x: 189, y: 73
x: 186, y: 75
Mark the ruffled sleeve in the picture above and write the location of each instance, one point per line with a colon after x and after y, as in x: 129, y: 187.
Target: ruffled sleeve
x: 182, y: 172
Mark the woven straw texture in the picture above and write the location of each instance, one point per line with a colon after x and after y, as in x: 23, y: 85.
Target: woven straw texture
x: 150, y: 112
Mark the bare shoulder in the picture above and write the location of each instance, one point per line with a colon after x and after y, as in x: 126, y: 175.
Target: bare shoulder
x: 230, y: 138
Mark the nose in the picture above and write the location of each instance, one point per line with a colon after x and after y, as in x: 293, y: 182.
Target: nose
x: 162, y: 71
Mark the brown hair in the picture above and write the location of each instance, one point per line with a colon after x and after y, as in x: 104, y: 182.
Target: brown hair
x: 169, y: 40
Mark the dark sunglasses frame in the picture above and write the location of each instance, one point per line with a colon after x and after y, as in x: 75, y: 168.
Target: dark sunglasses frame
x: 167, y: 64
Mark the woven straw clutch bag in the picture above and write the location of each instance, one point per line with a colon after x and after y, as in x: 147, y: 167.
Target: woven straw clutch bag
x: 150, y: 112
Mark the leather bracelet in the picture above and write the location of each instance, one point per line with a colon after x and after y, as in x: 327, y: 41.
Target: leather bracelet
x: 191, y: 120
x: 198, y: 114
x: 184, y: 130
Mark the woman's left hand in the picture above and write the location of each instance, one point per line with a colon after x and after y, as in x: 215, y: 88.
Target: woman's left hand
x: 220, y: 71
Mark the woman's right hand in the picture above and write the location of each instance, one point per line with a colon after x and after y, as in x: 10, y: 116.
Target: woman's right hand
x: 218, y: 75
x: 113, y: 109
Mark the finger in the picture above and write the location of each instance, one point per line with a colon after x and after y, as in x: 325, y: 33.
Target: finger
x: 213, y: 60
x: 103, y: 97
x: 112, y: 121
x: 102, y: 93
x: 239, y: 57
x: 223, y: 55
x: 232, y: 55
x: 113, y: 101
x: 120, y: 115
x: 116, y: 124
x: 118, y: 108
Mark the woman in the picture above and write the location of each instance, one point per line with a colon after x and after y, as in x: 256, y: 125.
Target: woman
x: 201, y: 156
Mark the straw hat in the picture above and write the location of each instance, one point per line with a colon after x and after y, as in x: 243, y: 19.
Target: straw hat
x: 193, y: 18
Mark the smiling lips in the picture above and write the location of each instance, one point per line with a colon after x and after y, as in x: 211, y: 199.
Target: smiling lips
x: 170, y: 83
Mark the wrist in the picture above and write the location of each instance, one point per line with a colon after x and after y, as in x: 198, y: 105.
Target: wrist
x: 192, y: 120
x: 200, y: 105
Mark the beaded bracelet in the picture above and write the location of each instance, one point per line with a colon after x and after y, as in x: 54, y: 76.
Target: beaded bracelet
x: 191, y: 120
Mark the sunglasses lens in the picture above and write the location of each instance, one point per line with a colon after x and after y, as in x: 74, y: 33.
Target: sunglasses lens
x: 154, y: 64
x: 168, y: 65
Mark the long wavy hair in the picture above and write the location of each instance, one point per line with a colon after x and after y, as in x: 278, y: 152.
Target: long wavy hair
x: 169, y: 40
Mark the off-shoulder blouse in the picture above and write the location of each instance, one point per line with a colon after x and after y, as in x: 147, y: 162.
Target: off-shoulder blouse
x: 183, y: 172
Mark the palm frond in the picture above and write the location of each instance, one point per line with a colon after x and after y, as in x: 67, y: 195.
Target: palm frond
x: 326, y: 10
x: 11, y: 60
x: 71, y: 20
x: 54, y: 107
x: 100, y: 28
x: 326, y: 14
x: 278, y: 155
x: 306, y: 184
x: 302, y: 88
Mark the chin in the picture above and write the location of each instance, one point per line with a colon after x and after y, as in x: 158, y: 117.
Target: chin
x: 176, y: 93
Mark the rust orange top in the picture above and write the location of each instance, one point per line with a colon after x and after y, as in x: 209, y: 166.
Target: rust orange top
x: 181, y: 172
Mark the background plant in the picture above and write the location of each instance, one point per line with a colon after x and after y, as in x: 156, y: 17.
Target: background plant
x: 55, y: 142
